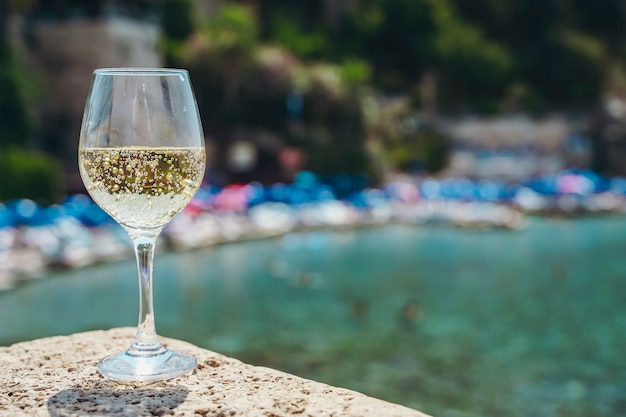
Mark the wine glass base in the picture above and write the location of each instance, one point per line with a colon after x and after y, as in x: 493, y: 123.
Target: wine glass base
x: 127, y: 367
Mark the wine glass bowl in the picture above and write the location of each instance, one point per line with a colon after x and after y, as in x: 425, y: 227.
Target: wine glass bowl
x: 142, y: 159
x: 142, y: 187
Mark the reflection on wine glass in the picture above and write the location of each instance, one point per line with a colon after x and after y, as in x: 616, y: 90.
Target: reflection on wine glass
x: 142, y: 159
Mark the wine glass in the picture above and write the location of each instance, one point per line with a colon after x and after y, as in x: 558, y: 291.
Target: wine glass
x: 142, y: 159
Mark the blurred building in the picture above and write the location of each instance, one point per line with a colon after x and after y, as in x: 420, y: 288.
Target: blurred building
x: 516, y: 148
x: 62, y: 42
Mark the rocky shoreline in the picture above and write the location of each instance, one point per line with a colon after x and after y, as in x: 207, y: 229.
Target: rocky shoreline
x: 57, y: 377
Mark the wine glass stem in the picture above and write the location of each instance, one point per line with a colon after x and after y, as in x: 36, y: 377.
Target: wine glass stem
x: 146, y: 341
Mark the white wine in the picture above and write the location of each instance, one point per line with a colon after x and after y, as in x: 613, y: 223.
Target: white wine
x: 139, y: 186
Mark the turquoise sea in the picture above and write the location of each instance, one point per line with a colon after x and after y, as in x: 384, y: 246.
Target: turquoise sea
x: 455, y: 323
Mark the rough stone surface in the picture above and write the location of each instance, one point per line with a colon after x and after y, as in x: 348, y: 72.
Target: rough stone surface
x: 57, y: 377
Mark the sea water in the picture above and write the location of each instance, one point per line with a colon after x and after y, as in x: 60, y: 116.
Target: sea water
x: 449, y: 321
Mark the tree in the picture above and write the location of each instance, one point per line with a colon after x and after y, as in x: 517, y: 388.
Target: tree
x: 15, y: 122
x: 405, y: 41
x: 16, y: 125
x: 244, y: 88
x: 485, y: 53
x: 564, y: 50
x: 25, y: 174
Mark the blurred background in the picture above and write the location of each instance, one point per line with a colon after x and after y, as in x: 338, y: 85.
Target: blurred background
x: 363, y: 87
x: 428, y: 194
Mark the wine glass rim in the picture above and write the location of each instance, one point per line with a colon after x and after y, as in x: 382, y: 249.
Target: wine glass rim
x: 130, y: 71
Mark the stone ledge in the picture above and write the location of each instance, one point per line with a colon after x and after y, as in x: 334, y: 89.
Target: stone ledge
x: 57, y: 377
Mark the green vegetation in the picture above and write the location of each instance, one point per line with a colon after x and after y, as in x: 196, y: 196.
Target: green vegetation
x: 24, y: 174
x: 489, y: 56
x: 251, y: 58
x: 246, y: 85
x: 29, y: 175
x: 15, y: 122
x: 335, y: 80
